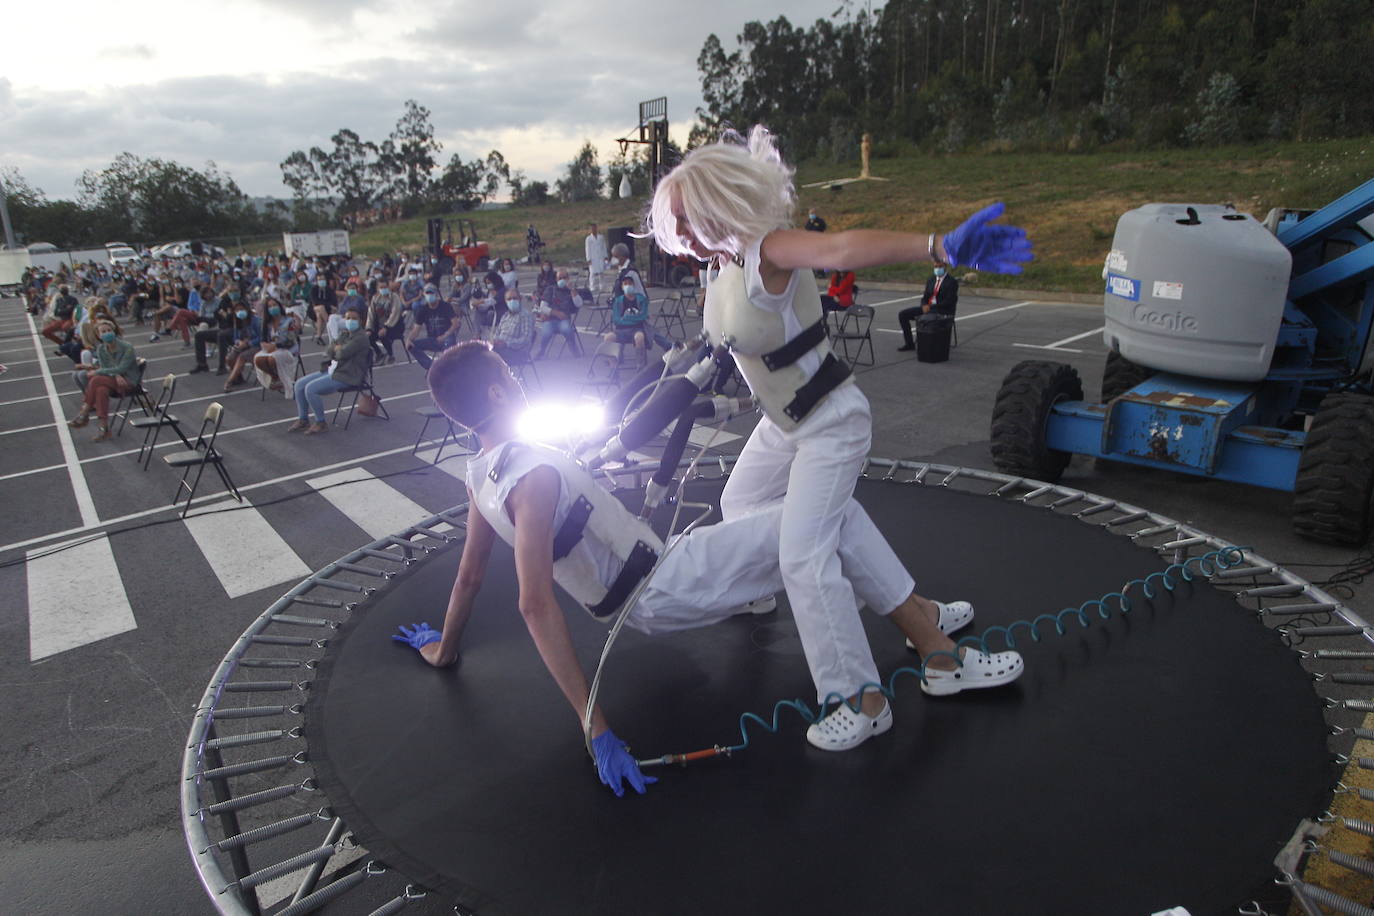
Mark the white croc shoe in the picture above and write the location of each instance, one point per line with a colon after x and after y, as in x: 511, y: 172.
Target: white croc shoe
x: 953, y: 617
x: 762, y: 606
x: 978, y: 670
x: 844, y: 728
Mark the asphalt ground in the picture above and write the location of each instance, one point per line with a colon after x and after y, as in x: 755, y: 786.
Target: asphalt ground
x: 95, y: 729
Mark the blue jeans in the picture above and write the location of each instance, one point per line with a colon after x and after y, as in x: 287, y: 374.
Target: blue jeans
x: 554, y: 326
x: 310, y: 392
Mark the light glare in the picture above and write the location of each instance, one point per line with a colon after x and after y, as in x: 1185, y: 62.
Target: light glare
x: 560, y: 424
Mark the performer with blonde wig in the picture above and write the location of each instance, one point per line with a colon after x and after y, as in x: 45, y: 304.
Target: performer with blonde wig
x: 731, y: 203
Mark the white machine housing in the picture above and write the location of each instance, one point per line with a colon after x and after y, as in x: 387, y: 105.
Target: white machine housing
x: 1196, y: 289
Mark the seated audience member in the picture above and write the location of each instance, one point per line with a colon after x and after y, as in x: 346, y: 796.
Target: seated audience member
x: 622, y: 265
x: 515, y: 334
x: 435, y: 327
x: 941, y: 297
x: 220, y: 332
x: 350, y: 297
x: 385, y: 321
x: 113, y: 370
x: 174, y: 300
x: 629, y: 319
x: 323, y: 303
x: 245, y: 341
x: 509, y: 278
x: 89, y: 338
x: 63, y: 317
x: 349, y: 356
x: 557, y: 312
x: 840, y: 294
x: 276, y: 361
x: 197, y: 311
x: 547, y: 276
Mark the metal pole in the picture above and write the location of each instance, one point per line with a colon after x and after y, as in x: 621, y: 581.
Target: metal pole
x: 10, y: 241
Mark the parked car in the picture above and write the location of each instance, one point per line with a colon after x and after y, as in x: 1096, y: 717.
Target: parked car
x: 42, y: 247
x: 123, y: 255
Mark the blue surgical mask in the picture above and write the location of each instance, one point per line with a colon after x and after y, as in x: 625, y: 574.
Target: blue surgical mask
x: 107, y: 336
x: 352, y: 324
x: 273, y: 310
x: 939, y: 271
x: 513, y: 305
x: 562, y: 284
x: 241, y: 314
x: 431, y: 297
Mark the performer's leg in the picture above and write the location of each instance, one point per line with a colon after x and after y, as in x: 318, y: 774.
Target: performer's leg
x: 759, y: 476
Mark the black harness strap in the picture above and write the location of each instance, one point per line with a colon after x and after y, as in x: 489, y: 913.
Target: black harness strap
x: 827, y: 378
x: 570, y: 532
x: 795, y: 348
x: 641, y: 559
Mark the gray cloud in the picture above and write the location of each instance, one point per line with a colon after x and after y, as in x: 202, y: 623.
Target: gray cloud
x: 127, y: 52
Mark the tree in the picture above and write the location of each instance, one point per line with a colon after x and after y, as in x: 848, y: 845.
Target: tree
x: 459, y: 185
x: 300, y: 174
x: 495, y: 172
x: 350, y: 172
x: 583, y: 179
x: 415, y: 149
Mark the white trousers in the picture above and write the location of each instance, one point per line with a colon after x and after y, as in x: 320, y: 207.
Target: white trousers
x: 812, y: 470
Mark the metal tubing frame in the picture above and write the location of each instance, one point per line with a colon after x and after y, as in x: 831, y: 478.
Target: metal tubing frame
x: 1117, y: 518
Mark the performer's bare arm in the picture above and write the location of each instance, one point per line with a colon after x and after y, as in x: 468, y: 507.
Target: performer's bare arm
x: 532, y: 503
x: 786, y: 250
x: 471, y: 569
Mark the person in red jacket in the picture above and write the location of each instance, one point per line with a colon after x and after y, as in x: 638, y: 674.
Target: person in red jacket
x: 840, y: 295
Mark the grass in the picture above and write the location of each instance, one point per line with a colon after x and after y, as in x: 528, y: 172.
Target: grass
x: 1069, y: 202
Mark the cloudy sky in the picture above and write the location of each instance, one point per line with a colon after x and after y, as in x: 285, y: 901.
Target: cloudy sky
x: 245, y: 82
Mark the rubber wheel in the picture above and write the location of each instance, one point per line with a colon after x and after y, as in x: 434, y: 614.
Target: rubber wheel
x: 677, y: 275
x: 1333, y: 501
x: 1020, y: 414
x: 1120, y: 375
x: 483, y: 263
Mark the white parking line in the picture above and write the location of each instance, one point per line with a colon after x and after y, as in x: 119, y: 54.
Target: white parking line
x: 80, y: 490
x: 891, y: 301
x: 243, y: 549
x: 68, y: 610
x: 1059, y: 344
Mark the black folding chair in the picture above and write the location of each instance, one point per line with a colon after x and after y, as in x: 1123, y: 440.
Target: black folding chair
x: 856, y: 327
x: 670, y: 312
x: 430, y: 412
x: 201, y: 453
x: 522, y: 361
x: 297, y: 372
x: 364, y: 387
x: 137, y: 397
x: 153, y: 424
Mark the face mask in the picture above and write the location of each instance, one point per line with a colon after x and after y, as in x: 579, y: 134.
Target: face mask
x: 351, y: 323
x: 273, y: 311
x: 320, y: 284
x: 241, y: 314
x: 628, y: 288
x: 513, y: 305
x: 939, y: 271
x: 562, y: 284
x: 381, y: 289
x: 431, y: 298
x: 107, y: 336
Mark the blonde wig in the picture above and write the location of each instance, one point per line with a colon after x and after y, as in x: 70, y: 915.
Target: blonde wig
x: 733, y: 192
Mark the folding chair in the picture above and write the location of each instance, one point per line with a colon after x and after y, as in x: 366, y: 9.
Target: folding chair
x: 152, y: 425
x: 201, y: 453
x: 430, y: 412
x: 670, y: 311
x: 137, y: 396
x: 603, y: 373
x: 856, y: 326
x: 364, y: 387
x: 598, y: 314
x: 297, y: 372
x: 522, y: 361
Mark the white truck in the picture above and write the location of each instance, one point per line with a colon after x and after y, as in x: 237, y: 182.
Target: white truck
x: 53, y: 259
x: 316, y: 244
x: 13, y: 263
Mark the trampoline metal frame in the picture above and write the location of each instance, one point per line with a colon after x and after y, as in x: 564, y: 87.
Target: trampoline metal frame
x: 206, y: 795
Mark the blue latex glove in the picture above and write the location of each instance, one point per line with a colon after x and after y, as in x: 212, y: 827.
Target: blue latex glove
x: 614, y: 764
x: 1000, y: 249
x: 417, y: 635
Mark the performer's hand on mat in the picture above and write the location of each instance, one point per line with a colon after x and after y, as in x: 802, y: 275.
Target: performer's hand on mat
x: 417, y: 635
x: 1000, y: 249
x: 614, y: 764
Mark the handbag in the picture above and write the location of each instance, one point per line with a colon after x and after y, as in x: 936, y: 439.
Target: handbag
x: 369, y: 404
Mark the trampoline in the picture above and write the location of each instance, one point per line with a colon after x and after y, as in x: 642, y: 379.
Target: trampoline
x: 1153, y: 755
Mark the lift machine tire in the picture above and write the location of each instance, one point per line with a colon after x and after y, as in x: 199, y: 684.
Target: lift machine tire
x: 1333, y: 500
x: 1028, y: 394
x: 1120, y: 375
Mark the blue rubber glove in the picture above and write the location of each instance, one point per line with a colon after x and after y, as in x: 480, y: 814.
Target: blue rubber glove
x: 1000, y: 249
x: 417, y: 635
x: 614, y: 764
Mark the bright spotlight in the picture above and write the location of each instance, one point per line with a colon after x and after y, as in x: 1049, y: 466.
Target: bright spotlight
x: 560, y: 423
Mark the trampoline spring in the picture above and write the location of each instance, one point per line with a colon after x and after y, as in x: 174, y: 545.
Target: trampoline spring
x: 1064, y: 501
x: 243, y: 769
x: 293, y: 620
x: 1151, y: 532
x: 1356, y: 678
x: 255, y: 712
x: 1362, y: 827
x: 1310, y: 893
x: 398, y: 903
x: 1009, y: 485
x: 341, y: 586
x: 282, y: 640
x: 259, y: 686
x: 269, y: 663
x: 383, y: 555
x: 1096, y: 508
x: 1354, y: 863
x: 295, y: 863
x: 891, y: 471
x: 408, y: 544
x: 266, y: 832
x: 431, y: 533
x: 324, y: 895
x: 1128, y: 518
x: 921, y: 474
x: 1242, y: 572
x: 1035, y: 494
x: 1345, y: 654
x: 1182, y: 542
x: 1350, y: 705
x: 246, y: 739
x: 1266, y: 591
x: 251, y: 800
x: 317, y: 602
x: 1293, y: 609
x: 1305, y: 632
x: 952, y: 474
x: 365, y: 570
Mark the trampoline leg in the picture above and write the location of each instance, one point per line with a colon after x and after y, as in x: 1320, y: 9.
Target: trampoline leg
x: 312, y: 874
x: 229, y: 821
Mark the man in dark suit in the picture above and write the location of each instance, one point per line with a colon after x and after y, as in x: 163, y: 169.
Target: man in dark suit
x: 940, y: 298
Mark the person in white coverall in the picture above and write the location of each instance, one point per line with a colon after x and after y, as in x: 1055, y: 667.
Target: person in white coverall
x: 594, y: 247
x: 526, y: 494
x: 731, y: 203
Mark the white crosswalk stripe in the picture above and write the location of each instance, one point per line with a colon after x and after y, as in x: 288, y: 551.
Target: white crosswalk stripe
x: 243, y: 549
x: 76, y: 596
x: 373, y: 505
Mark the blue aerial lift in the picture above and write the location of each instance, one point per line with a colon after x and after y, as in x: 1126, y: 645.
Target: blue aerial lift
x: 1239, y: 351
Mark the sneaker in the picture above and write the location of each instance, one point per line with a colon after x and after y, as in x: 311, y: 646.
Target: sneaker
x: 298, y: 426
x: 978, y: 670
x: 152, y: 338
x: 953, y: 617
x: 762, y: 606
x: 317, y: 428
x: 844, y: 728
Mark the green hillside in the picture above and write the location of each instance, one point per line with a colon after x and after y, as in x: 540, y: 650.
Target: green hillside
x: 1069, y: 202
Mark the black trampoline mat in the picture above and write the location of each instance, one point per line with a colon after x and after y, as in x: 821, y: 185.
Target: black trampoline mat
x: 1155, y: 760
